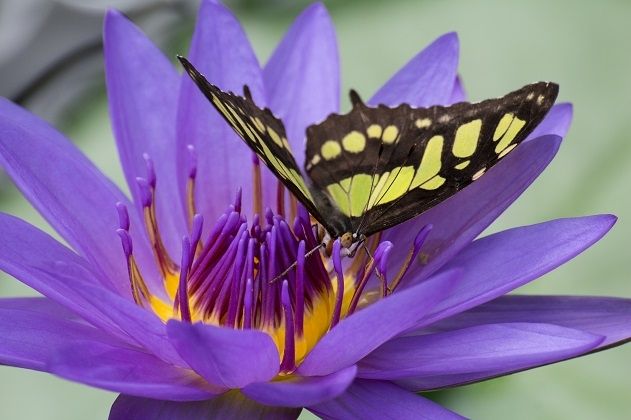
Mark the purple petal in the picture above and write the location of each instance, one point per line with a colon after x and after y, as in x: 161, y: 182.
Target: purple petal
x: 141, y: 326
x: 368, y: 400
x: 221, y: 51
x: 365, y: 330
x: 435, y: 360
x: 142, y: 87
x: 35, y: 337
x: 127, y: 370
x: 32, y: 329
x: 458, y: 94
x: 301, y: 391
x: 302, y: 78
x: 461, y: 218
x: 229, y: 406
x: 70, y: 193
x: 609, y: 317
x: 224, y: 356
x: 499, y: 263
x: 42, y: 263
x: 557, y: 122
x: 38, y: 305
x: 428, y: 79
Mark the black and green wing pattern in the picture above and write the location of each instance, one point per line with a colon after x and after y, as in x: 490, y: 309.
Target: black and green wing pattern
x: 381, y: 166
x: 261, y: 131
x: 376, y: 167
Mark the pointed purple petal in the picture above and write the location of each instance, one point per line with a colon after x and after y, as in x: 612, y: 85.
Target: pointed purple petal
x: 302, y: 78
x: 34, y: 337
x: 436, y: 360
x: 223, y: 356
x: 557, y: 122
x: 461, y: 218
x: 127, y: 370
x: 609, y: 317
x: 369, y: 400
x: 33, y: 329
x: 42, y: 263
x: 70, y: 193
x: 499, y: 263
x: 39, y: 305
x: 428, y: 79
x: 221, y: 51
x: 142, y: 87
x: 301, y: 391
x: 458, y: 94
x: 229, y: 406
x: 368, y: 328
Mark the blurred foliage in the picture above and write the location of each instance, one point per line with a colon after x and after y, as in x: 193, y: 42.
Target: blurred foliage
x: 581, y: 45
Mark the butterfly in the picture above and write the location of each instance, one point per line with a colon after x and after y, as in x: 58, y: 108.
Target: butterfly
x: 375, y: 167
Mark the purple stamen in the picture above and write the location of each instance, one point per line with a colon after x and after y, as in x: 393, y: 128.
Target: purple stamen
x: 237, y: 201
x: 300, y: 288
x: 381, y: 260
x: 182, y: 293
x: 191, y: 161
x: 337, y: 265
x: 248, y: 298
x: 269, y: 216
x: 238, y: 268
x: 420, y: 239
x: 151, y: 172
x: 146, y: 196
x: 289, y: 355
x: 123, y: 216
x: 125, y: 242
x: 196, y: 231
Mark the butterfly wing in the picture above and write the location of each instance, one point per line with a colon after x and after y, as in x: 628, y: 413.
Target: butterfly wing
x: 381, y: 166
x: 262, y: 132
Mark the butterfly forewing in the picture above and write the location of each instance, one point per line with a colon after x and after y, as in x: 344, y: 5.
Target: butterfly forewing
x: 381, y: 166
x: 261, y: 131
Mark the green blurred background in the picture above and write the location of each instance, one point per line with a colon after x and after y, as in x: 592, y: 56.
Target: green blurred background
x: 584, y: 46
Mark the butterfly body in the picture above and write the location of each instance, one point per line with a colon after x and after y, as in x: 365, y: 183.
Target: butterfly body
x: 375, y: 167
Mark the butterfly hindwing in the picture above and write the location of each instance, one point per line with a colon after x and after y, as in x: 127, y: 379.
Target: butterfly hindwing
x: 261, y: 131
x: 381, y: 166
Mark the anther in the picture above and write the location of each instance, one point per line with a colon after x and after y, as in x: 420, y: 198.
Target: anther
x: 139, y: 290
x: 151, y: 172
x: 237, y: 201
x: 181, y: 298
x: 125, y: 242
x: 123, y: 216
x: 421, y: 236
x: 381, y: 259
x: 247, y: 302
x: 289, y: 355
x: 144, y: 188
x: 190, y: 183
x: 196, y: 233
x: 337, y: 265
x: 300, y: 288
x: 191, y: 161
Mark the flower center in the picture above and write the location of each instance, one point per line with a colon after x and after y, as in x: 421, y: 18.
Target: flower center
x: 235, y: 274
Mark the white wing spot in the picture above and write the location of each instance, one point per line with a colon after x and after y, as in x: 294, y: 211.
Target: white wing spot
x: 423, y: 122
x: 478, y: 174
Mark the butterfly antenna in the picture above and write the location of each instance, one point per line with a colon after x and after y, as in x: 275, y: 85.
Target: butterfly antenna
x: 295, y: 263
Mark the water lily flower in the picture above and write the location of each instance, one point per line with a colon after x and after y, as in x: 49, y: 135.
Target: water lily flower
x: 168, y: 297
